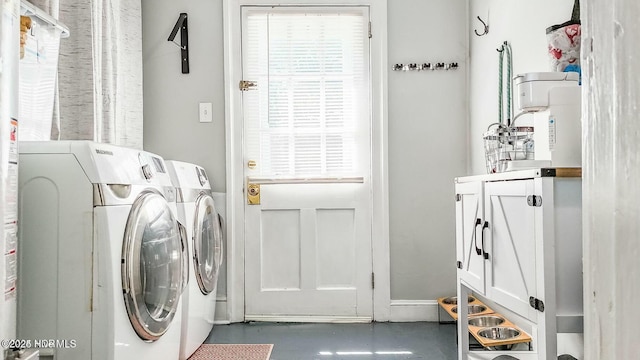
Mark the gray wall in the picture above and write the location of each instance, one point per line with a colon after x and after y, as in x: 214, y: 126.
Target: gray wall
x: 171, y: 125
x: 427, y: 123
x: 427, y: 145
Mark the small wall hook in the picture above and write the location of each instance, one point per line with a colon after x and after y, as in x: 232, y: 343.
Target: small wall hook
x: 502, y: 47
x: 486, y: 28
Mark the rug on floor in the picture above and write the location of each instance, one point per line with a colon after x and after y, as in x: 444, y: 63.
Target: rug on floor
x: 233, y: 352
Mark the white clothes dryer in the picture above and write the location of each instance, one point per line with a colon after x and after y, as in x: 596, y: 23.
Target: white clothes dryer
x: 196, y: 209
x: 101, y: 252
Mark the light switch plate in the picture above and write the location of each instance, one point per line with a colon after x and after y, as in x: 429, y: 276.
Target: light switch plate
x: 205, y: 113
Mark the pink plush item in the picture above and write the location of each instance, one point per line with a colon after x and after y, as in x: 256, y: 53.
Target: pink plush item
x: 564, y: 47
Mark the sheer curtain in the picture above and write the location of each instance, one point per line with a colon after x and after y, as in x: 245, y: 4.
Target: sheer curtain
x: 100, y: 71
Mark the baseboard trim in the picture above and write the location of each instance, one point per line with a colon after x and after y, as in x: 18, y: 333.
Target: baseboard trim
x: 309, y: 319
x: 221, y: 315
x: 400, y: 311
x: 413, y: 310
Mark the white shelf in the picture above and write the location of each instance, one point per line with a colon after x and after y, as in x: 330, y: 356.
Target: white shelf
x: 28, y: 9
x: 523, y: 174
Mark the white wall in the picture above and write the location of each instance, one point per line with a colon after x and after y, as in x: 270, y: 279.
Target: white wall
x: 171, y: 125
x: 611, y: 169
x: 427, y: 123
x: 427, y: 145
x: 522, y: 23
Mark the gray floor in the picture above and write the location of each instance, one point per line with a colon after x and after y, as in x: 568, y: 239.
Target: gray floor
x: 392, y: 341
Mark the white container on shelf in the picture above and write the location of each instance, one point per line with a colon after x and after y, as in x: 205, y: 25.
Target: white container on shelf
x: 533, y: 89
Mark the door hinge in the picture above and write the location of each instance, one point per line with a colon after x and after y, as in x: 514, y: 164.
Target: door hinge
x: 373, y: 280
x: 536, y: 304
x: 534, y: 200
x: 246, y: 85
x: 459, y: 265
x: 370, y: 35
x: 458, y: 197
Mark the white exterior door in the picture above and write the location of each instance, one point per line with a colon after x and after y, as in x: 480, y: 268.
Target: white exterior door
x: 307, y: 145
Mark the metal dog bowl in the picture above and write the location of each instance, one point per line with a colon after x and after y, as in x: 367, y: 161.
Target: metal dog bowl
x: 486, y: 321
x: 472, y: 309
x: 453, y: 300
x: 499, y: 333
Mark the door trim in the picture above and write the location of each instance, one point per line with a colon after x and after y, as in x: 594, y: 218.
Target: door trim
x: 234, y: 162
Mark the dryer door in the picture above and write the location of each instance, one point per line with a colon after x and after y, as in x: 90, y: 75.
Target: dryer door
x: 207, y: 244
x: 151, y: 266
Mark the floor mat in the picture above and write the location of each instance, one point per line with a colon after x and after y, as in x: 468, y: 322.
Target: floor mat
x: 233, y: 352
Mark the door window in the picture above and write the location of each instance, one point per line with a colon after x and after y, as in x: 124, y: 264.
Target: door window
x: 309, y: 115
x: 152, y: 266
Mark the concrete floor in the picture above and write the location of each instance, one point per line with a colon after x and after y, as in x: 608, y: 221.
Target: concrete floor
x: 388, y: 341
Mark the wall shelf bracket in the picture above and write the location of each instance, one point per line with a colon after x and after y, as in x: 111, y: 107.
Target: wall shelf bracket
x: 181, y: 25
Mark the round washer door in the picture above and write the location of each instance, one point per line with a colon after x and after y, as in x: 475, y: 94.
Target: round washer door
x: 207, y: 244
x: 151, y: 266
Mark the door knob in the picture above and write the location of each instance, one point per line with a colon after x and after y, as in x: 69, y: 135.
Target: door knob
x: 253, y: 194
x: 251, y: 164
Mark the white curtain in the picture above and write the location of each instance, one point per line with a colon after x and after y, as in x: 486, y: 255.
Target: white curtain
x: 100, y: 71
x: 50, y: 6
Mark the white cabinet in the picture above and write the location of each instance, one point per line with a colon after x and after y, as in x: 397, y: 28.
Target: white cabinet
x: 509, y: 229
x: 519, y: 247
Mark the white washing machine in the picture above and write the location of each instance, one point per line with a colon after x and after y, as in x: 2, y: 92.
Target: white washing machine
x: 196, y: 209
x: 220, y: 200
x: 101, y: 252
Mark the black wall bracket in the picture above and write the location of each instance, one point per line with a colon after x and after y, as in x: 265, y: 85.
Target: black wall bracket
x: 181, y: 25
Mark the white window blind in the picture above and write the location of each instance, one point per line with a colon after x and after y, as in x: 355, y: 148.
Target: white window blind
x: 310, y: 110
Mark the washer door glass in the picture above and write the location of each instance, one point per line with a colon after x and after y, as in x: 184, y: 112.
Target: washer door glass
x: 207, y: 244
x: 151, y: 266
